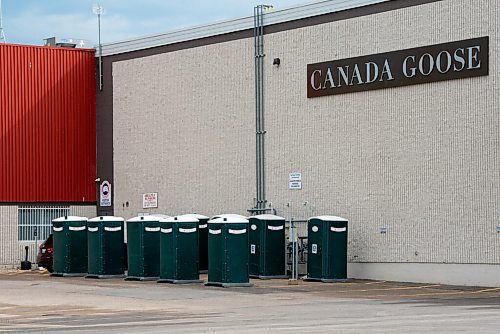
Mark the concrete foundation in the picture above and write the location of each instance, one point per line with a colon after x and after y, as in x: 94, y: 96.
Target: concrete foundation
x: 438, y: 273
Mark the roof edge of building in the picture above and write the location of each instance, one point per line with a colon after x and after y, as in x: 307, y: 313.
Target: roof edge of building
x: 229, y: 26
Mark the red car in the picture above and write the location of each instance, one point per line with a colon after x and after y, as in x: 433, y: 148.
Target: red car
x: 46, y: 254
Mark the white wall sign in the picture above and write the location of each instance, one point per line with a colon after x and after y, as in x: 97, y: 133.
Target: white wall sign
x: 105, y: 194
x: 149, y: 200
x: 295, y: 181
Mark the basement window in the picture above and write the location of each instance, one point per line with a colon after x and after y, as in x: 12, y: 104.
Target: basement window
x: 35, y: 222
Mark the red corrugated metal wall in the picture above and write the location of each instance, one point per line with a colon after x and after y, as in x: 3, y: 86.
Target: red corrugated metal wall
x: 47, y: 124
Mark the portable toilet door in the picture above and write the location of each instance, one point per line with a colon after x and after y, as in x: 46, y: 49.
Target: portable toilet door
x: 314, y: 249
x: 254, y: 238
x: 336, y: 261
x: 216, y: 252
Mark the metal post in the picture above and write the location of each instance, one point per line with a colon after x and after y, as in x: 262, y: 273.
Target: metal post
x: 100, y: 50
x: 289, y: 205
x: 293, y: 236
x: 38, y: 219
x: 294, y: 250
x: 98, y: 195
x: 35, y: 231
x: 99, y: 10
x: 2, y: 34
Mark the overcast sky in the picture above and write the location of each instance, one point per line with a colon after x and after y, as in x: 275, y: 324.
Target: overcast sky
x: 31, y: 21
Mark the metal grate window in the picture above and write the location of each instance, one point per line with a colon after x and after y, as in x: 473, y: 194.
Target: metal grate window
x: 34, y: 222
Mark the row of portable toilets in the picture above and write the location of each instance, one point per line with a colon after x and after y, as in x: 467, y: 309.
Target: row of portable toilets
x: 231, y: 248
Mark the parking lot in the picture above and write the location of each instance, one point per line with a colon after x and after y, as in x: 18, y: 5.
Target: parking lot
x: 35, y: 302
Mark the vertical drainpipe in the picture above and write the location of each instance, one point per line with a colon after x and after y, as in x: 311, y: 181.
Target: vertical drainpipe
x: 262, y: 129
x: 259, y: 105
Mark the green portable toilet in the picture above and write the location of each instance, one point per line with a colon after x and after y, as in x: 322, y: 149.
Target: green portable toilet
x: 267, y: 246
x: 70, y: 246
x: 143, y: 248
x: 105, y: 247
x: 179, y: 250
x: 228, y: 251
x: 202, y: 240
x: 327, y: 249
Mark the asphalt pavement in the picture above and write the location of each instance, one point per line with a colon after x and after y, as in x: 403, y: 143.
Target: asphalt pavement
x: 34, y: 302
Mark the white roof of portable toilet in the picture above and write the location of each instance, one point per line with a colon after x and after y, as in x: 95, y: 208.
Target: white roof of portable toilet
x: 267, y: 217
x: 194, y: 215
x: 160, y: 215
x: 229, y: 219
x: 330, y: 218
x: 227, y: 215
x: 106, y: 219
x: 140, y: 219
x: 70, y: 219
x: 179, y: 219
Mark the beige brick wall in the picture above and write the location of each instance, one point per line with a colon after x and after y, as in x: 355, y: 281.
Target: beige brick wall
x: 11, y: 249
x: 8, y: 235
x: 184, y: 127
x: 422, y: 161
x: 88, y: 211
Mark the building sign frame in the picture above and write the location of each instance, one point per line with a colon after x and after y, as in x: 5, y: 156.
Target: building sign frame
x: 439, y: 62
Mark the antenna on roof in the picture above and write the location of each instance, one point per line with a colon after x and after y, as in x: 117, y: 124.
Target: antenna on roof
x: 2, y: 34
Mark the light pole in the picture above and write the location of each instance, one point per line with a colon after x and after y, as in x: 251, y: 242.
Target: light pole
x: 99, y: 10
x: 2, y: 34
